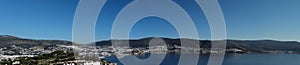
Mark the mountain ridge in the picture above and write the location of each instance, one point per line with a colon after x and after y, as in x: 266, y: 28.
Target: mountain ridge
x: 245, y: 45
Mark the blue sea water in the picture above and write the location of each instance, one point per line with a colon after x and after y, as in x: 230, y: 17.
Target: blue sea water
x: 229, y: 59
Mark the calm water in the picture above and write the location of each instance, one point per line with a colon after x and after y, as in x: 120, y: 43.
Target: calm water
x: 230, y: 59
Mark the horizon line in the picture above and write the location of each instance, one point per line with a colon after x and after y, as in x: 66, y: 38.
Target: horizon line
x: 149, y: 37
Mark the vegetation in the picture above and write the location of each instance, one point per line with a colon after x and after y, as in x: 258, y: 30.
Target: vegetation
x: 57, y: 56
x: 7, y: 41
x: 247, y: 46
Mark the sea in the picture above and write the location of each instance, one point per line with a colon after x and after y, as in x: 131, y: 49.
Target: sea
x: 203, y: 59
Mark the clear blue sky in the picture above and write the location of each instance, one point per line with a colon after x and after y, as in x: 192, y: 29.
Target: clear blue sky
x: 245, y: 19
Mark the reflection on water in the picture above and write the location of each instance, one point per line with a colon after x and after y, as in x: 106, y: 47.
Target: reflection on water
x: 230, y: 59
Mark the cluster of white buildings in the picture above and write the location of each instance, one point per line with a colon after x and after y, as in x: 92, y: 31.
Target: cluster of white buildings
x: 13, y: 57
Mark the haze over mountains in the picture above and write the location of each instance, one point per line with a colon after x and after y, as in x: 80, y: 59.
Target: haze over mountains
x: 258, y: 46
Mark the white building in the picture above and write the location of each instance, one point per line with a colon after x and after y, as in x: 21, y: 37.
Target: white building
x: 92, y: 63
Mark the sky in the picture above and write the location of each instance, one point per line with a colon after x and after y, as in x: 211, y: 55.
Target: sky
x: 245, y: 19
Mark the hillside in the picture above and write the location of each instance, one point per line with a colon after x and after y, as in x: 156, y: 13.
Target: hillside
x: 259, y: 46
x: 8, y: 41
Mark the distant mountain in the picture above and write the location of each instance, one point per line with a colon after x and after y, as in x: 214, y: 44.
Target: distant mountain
x: 264, y: 45
x: 143, y: 42
x: 7, y: 41
x: 261, y: 46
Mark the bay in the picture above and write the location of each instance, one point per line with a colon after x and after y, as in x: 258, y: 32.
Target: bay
x: 229, y: 59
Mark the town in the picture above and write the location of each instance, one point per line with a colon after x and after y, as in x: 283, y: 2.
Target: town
x: 81, y: 55
x: 88, y: 54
